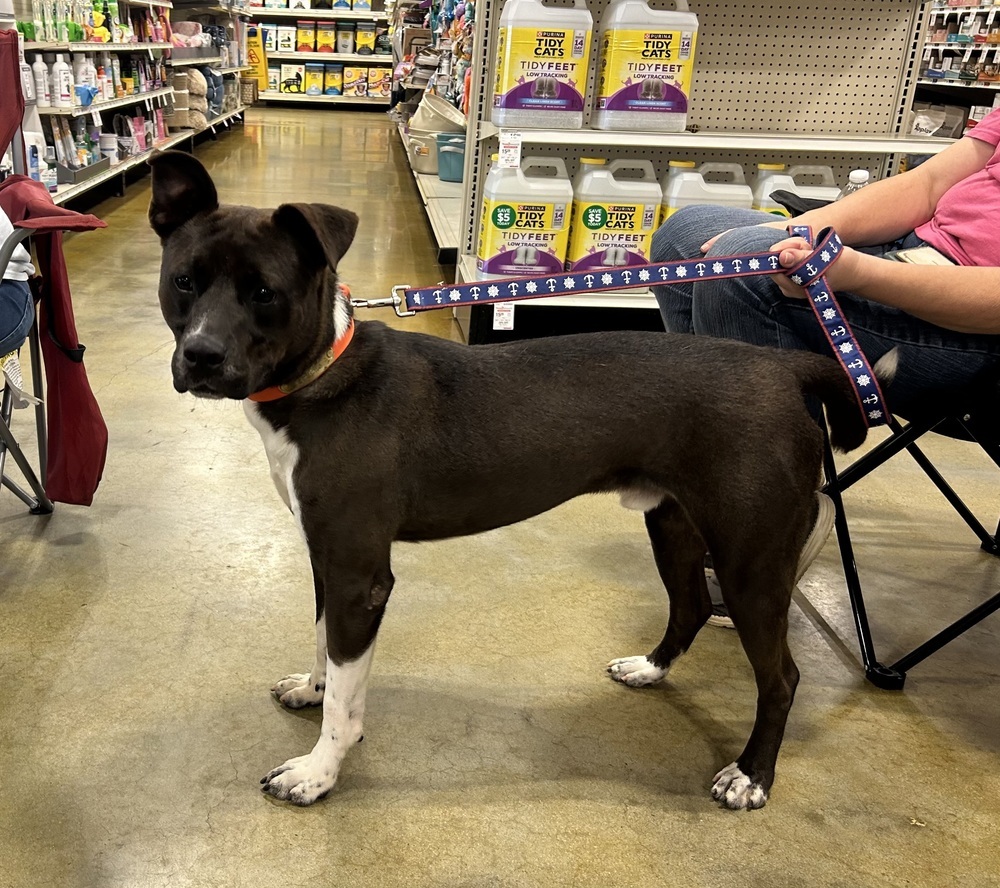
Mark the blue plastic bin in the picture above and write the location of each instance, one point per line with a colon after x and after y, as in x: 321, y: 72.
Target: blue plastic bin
x: 451, y: 157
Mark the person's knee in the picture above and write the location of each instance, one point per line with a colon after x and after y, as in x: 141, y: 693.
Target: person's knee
x: 753, y: 239
x: 681, y: 236
x: 16, y: 314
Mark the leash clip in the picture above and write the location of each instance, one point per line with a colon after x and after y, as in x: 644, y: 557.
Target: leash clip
x: 395, y: 301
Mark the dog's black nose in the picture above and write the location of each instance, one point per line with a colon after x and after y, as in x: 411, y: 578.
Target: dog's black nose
x: 203, y: 351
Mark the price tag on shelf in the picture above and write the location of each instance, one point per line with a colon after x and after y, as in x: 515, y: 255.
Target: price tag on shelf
x: 989, y: 18
x: 510, y: 150
x: 95, y: 117
x: 503, y: 316
x: 928, y: 52
x: 968, y: 54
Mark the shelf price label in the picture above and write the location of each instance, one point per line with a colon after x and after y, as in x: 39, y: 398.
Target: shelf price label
x: 503, y: 315
x: 510, y: 150
x: 95, y: 117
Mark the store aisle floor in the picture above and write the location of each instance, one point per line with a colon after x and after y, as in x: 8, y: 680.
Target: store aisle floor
x: 139, y: 638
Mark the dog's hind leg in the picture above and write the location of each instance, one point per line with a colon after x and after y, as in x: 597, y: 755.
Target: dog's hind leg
x: 354, y: 603
x: 299, y: 690
x: 760, y: 613
x: 679, y: 552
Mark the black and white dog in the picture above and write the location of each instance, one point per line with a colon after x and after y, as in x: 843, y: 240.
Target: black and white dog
x: 712, y: 440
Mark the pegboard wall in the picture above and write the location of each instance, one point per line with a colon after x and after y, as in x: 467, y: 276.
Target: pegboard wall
x: 784, y: 66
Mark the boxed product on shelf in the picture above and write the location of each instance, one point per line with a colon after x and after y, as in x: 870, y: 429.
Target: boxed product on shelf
x: 270, y: 37
x: 380, y: 82
x: 276, y: 4
x: 314, y: 79
x: 355, y: 81
x: 292, y: 77
x: 273, y: 78
x: 326, y: 37
x: 365, y: 38
x: 362, y: 4
x: 301, y: 4
x: 333, y: 80
x: 341, y: 4
x: 305, y: 37
x: 286, y: 38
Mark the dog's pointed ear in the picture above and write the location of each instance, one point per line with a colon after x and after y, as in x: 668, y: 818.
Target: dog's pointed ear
x: 328, y: 229
x: 182, y: 188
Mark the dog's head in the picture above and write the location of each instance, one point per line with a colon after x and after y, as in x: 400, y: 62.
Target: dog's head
x: 249, y: 294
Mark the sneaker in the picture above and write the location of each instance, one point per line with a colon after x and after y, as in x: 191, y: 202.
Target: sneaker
x: 825, y: 514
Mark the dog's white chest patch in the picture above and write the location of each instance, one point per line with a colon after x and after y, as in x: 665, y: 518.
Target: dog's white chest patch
x: 282, y: 455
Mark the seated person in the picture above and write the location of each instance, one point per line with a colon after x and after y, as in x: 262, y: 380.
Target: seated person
x: 17, y: 310
x: 945, y: 319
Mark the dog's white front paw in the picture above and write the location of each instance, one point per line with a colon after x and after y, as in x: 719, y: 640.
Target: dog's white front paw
x: 302, y: 780
x: 636, y: 672
x: 735, y: 790
x: 297, y: 691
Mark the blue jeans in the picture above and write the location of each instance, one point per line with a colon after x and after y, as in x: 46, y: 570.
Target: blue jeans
x: 932, y: 359
x: 17, y: 313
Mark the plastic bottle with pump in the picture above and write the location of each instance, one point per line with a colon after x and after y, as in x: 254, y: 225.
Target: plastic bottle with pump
x: 857, y: 180
x: 40, y: 75
x: 63, y: 93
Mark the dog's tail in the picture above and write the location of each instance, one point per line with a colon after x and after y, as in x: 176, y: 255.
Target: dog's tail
x: 824, y: 378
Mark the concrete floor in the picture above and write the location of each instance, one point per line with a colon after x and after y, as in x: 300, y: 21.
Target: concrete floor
x: 139, y: 638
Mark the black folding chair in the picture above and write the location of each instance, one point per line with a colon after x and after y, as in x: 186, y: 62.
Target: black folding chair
x: 970, y: 415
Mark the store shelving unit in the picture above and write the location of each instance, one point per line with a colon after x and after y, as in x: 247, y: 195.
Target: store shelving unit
x: 110, y: 104
x: 344, y: 57
x: 268, y: 96
x: 753, y: 100
x: 262, y: 14
x: 200, y: 60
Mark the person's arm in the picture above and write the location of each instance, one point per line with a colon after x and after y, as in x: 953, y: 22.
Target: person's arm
x: 893, y: 207
x: 885, y: 210
x: 961, y: 298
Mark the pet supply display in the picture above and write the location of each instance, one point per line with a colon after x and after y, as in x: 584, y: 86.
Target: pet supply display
x: 333, y: 80
x: 355, y: 81
x: 292, y: 77
x: 645, y: 68
x: 365, y: 38
x: 421, y: 149
x: 541, y: 75
x: 451, y: 157
x: 314, y: 79
x: 305, y: 37
x: 380, y: 82
x: 326, y: 37
x: 286, y: 38
x: 524, y: 228
x: 345, y: 38
x: 684, y: 185
x: 614, y: 216
x: 435, y: 115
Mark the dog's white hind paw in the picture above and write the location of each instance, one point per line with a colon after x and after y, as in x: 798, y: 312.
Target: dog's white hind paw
x: 735, y: 790
x: 636, y: 672
x: 297, y: 691
x: 301, y: 781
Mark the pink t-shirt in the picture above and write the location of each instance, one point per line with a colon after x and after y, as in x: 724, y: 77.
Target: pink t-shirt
x: 966, y: 222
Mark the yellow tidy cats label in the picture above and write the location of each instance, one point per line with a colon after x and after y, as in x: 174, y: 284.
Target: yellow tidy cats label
x: 542, y: 69
x: 646, y: 71
x: 522, y: 238
x: 610, y: 235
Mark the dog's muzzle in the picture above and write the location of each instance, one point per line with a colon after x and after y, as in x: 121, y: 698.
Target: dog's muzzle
x: 203, y: 367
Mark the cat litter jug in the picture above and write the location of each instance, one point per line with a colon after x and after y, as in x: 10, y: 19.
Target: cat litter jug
x: 645, y: 68
x: 614, y: 216
x: 685, y: 186
x: 543, y: 57
x: 524, y: 228
x: 773, y: 177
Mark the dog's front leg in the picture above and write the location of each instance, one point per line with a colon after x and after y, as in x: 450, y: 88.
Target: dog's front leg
x: 355, y: 602
x: 298, y: 690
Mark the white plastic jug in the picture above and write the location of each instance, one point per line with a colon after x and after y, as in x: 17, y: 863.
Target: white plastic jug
x: 614, y: 216
x: 646, y: 65
x: 543, y: 60
x: 524, y: 227
x: 773, y: 177
x: 685, y: 186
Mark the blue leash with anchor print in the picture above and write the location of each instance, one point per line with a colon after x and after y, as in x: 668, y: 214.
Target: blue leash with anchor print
x: 809, y: 274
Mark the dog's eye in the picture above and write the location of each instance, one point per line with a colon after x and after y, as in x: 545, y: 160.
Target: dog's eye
x: 183, y: 282
x: 263, y: 296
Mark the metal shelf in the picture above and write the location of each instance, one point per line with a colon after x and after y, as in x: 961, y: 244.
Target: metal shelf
x: 833, y: 144
x: 323, y: 100
x: 261, y: 13
x: 186, y: 63
x: 225, y: 117
x: 624, y: 299
x: 163, y: 4
x: 108, y: 105
x: 235, y: 69
x: 117, y: 47
x: 330, y: 57
x: 68, y: 192
x: 957, y: 84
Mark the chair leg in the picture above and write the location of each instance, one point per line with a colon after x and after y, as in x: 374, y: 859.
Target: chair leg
x: 885, y: 677
x: 39, y: 504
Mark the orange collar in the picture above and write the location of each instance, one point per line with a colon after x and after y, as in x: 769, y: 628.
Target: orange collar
x: 322, y: 364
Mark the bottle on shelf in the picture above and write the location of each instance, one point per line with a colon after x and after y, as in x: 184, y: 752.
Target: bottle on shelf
x: 43, y: 90
x: 857, y: 180
x: 63, y: 91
